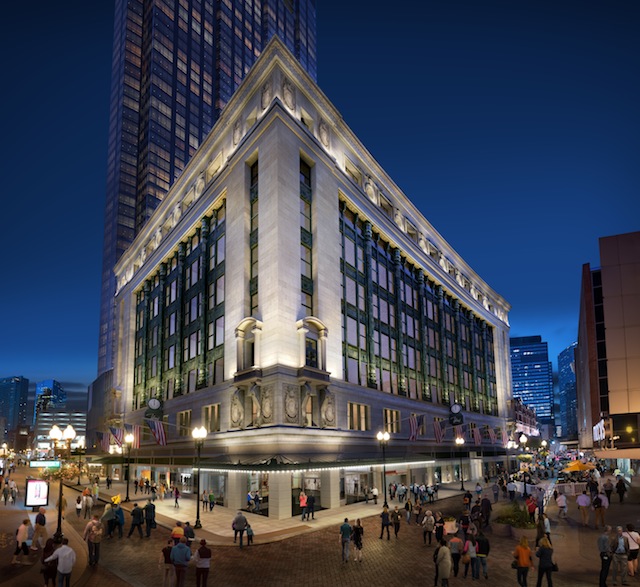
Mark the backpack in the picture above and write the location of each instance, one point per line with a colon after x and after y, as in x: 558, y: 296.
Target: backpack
x: 597, y: 502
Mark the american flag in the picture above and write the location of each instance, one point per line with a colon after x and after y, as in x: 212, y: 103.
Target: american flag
x: 157, y: 429
x: 135, y: 430
x: 118, y: 435
x: 103, y: 441
x: 492, y: 434
x: 415, y: 424
x: 505, y: 437
x: 437, y: 430
x: 476, y: 435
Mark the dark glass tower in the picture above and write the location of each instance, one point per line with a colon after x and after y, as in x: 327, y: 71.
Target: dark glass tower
x: 567, y: 392
x: 176, y: 64
x: 13, y: 402
x: 532, y: 375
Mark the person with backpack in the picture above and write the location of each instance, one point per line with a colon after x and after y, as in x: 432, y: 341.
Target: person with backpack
x: 93, y: 532
x: 600, y: 504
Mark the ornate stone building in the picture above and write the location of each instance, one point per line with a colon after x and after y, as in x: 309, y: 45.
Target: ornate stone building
x: 290, y: 298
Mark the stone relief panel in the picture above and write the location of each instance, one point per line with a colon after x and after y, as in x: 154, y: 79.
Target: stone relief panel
x: 267, y: 404
x: 237, y: 409
x: 323, y: 131
x: 266, y: 96
x: 237, y: 132
x: 327, y: 409
x: 291, y: 404
x: 288, y: 94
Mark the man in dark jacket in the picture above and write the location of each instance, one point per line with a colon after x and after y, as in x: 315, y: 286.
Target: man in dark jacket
x: 137, y: 516
x: 482, y: 552
x: 149, y: 517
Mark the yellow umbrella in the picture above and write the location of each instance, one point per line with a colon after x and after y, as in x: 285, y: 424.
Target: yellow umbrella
x: 578, y: 466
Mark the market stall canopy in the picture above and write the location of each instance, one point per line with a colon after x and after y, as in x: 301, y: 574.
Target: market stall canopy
x: 575, y: 466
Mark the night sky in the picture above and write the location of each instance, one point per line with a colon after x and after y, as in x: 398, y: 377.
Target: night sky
x: 512, y: 125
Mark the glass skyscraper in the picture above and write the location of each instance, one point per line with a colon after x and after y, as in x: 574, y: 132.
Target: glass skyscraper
x: 175, y: 66
x: 13, y: 401
x: 532, y: 375
x: 50, y: 396
x: 567, y: 392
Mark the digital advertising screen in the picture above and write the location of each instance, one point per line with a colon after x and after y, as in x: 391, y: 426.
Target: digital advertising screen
x: 37, y: 493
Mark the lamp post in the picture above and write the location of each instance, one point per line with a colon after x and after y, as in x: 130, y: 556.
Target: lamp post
x: 523, y: 441
x: 56, y: 435
x: 510, y: 445
x: 383, y: 439
x: 128, y: 439
x: 460, y: 443
x: 199, y: 434
x: 80, y: 448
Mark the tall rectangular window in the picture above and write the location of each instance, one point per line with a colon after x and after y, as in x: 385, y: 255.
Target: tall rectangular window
x: 253, y: 239
x: 184, y: 423
x: 391, y: 420
x: 358, y: 417
x: 306, y: 240
x: 211, y: 417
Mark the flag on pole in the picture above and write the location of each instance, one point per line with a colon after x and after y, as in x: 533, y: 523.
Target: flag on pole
x: 477, y: 436
x: 420, y: 424
x: 505, y: 437
x: 118, y: 435
x: 133, y: 429
x: 492, y: 434
x: 437, y: 430
x: 458, y: 431
x: 413, y: 428
x: 157, y: 429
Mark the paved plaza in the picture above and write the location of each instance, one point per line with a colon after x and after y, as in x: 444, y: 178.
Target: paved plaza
x: 294, y: 553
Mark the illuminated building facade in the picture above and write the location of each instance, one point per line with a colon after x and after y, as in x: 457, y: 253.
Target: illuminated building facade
x: 14, y: 393
x: 175, y: 66
x: 608, y: 351
x: 287, y: 296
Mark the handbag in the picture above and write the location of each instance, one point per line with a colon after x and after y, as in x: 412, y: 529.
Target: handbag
x: 514, y: 564
x: 554, y: 568
x: 466, y: 559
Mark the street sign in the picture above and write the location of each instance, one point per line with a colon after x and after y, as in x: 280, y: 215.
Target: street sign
x: 44, y: 464
x: 456, y: 419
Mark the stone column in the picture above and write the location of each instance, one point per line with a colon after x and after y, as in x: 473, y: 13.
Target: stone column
x: 236, y: 490
x: 330, y: 488
x: 280, y: 496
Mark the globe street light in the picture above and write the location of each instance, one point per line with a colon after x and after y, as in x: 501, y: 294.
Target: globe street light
x: 383, y: 439
x: 523, y: 441
x: 460, y: 443
x: 199, y: 434
x: 57, y: 435
x: 128, y: 439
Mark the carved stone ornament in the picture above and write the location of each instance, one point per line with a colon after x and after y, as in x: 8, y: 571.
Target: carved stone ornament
x: 265, y: 99
x: 177, y: 214
x: 237, y: 409
x: 370, y: 189
x: 323, y: 131
x: 291, y: 403
x: 237, y: 132
x: 157, y: 238
x: 328, y: 410
x: 199, y: 187
x: 288, y: 94
x: 398, y: 218
x: 267, y: 404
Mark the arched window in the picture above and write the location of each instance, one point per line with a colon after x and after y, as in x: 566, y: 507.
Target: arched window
x: 248, y: 337
x: 312, y: 335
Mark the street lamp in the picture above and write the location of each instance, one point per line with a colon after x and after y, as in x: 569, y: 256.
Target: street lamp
x: 128, y: 439
x: 460, y: 443
x: 80, y: 449
x: 383, y: 439
x: 199, y: 434
x: 523, y: 441
x: 57, y: 435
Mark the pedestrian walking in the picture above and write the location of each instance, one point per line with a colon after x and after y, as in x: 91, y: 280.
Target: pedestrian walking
x: 108, y: 518
x: 302, y: 499
x: 604, y: 548
x: 634, y: 547
x: 428, y: 525
x: 78, y: 505
x: 584, y: 505
x: 239, y: 526
x: 212, y: 500
x: 93, y: 532
x: 137, y: 516
x: 87, y: 504
x: 149, y: 517
x: 621, y: 489
x: 523, y: 560
x: 205, y: 500
x: 374, y: 492
x: 600, y: 506
x: 249, y: 534
x: 202, y: 558
x: 608, y: 488
x: 439, y: 527
x: 455, y: 547
x: 61, y: 504
x: 180, y: 557
x: 620, y: 549
x: 178, y: 532
x: 561, y: 502
x: 22, y: 548
x: 189, y: 534
x: 311, y: 505
x: 385, y: 522
x: 118, y: 519
x: 443, y: 563
x: 66, y: 558
x: 357, y: 533
x: 496, y: 492
x: 345, y: 539
x: 395, y: 520
x: 49, y: 570
x: 482, y: 552
x: 168, y: 570
x: 470, y: 557
x: 40, y: 533
x: 176, y: 497
x: 531, y: 508
x: 408, y: 506
x: 545, y: 565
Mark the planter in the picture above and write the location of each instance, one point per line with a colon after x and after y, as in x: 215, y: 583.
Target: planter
x: 500, y: 529
x: 451, y: 527
x: 528, y: 533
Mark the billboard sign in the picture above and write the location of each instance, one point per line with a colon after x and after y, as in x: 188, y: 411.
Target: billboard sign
x: 37, y: 493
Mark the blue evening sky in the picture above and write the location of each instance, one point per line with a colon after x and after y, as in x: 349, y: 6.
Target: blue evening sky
x: 512, y: 125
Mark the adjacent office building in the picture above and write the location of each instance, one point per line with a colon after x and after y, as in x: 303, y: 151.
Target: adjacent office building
x: 287, y: 296
x: 50, y: 396
x: 608, y: 351
x: 175, y: 66
x: 568, y: 419
x: 532, y: 377
x: 14, y: 393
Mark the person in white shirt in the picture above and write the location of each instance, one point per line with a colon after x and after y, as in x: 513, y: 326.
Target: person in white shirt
x: 634, y: 548
x: 66, y: 559
x: 584, y: 504
x: 203, y: 563
x: 561, y: 502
